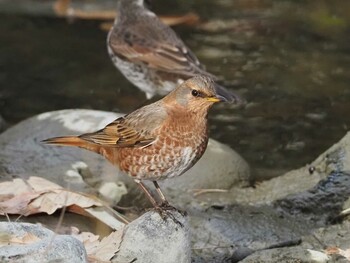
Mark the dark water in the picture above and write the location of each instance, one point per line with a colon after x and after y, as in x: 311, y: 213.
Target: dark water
x: 289, y: 59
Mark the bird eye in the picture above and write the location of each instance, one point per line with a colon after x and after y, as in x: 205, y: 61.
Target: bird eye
x: 195, y: 93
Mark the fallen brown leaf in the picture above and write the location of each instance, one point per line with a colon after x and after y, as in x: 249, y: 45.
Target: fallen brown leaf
x: 28, y: 238
x: 100, y: 251
x: 38, y: 195
x: 338, y: 251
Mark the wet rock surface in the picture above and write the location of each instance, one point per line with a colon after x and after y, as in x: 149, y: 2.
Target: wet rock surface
x: 292, y: 217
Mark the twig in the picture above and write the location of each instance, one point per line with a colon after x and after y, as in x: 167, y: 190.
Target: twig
x: 197, y: 192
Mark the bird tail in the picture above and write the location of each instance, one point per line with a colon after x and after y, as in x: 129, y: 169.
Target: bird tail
x: 73, y: 141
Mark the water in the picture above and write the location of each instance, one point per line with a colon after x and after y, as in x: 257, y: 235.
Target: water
x: 289, y: 59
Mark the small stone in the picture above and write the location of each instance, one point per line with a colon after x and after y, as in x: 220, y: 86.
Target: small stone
x: 295, y: 146
x: 316, y: 116
x: 113, y: 191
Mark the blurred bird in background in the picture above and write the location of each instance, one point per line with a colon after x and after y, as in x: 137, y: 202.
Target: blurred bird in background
x: 148, y: 52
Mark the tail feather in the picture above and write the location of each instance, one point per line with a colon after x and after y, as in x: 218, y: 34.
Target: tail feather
x: 73, y: 141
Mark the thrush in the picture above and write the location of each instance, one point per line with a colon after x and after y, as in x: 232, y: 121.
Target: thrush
x: 148, y: 52
x: 160, y: 140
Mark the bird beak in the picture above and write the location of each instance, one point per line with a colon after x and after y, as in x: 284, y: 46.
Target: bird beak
x: 223, y: 95
x: 213, y: 99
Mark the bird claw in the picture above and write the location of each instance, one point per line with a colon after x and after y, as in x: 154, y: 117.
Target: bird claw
x: 166, y: 206
x: 164, y: 210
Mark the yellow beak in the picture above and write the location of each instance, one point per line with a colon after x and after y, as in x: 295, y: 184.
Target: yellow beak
x: 213, y: 99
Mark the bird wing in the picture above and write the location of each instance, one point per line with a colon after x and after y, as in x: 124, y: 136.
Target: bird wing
x: 155, y: 44
x: 119, y: 134
x: 137, y: 129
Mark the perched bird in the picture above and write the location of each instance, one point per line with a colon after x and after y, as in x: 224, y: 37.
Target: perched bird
x: 160, y: 140
x: 149, y: 53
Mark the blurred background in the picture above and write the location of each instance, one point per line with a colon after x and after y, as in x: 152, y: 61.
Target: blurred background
x: 289, y: 59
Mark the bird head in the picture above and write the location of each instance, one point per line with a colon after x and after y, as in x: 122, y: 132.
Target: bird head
x: 200, y: 93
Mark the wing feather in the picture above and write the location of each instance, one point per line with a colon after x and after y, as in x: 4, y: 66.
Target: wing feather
x: 119, y: 134
x: 157, y: 46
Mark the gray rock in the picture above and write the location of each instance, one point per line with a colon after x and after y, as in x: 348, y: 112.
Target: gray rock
x: 220, y: 232
x: 320, y: 204
x: 50, y: 247
x: 335, y: 160
x: 278, y: 255
x: 3, y: 124
x: 294, y: 207
x: 151, y: 239
x: 336, y: 235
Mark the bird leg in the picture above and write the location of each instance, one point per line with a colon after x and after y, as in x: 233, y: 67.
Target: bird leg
x: 165, y: 202
x: 163, y: 209
x: 149, y: 195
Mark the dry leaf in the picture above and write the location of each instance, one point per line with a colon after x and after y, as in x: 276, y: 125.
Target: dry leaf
x: 49, y: 202
x: 37, y: 195
x: 28, y: 238
x: 345, y: 253
x: 108, y: 247
x: 18, y: 204
x: 338, y: 251
x: 114, y: 221
x: 101, y: 251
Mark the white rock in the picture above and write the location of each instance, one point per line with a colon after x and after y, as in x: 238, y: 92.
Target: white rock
x: 112, y: 191
x: 317, y: 256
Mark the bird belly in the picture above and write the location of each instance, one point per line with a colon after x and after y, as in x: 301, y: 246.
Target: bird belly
x: 143, y: 77
x: 161, y: 162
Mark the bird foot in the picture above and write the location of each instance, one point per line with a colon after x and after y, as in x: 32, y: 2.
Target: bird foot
x: 164, y: 210
x: 166, y: 206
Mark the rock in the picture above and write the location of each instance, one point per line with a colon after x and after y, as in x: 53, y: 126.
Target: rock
x: 236, y: 230
x: 112, y: 191
x: 3, y: 124
x: 293, y: 206
x: 320, y: 204
x: 336, y: 160
x: 23, y: 155
x: 153, y: 239
x: 48, y: 248
x: 278, y: 255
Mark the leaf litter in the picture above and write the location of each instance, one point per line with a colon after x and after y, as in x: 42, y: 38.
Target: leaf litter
x: 38, y: 195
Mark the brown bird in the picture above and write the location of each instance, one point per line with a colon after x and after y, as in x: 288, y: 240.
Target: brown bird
x: 148, y: 52
x: 161, y: 140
